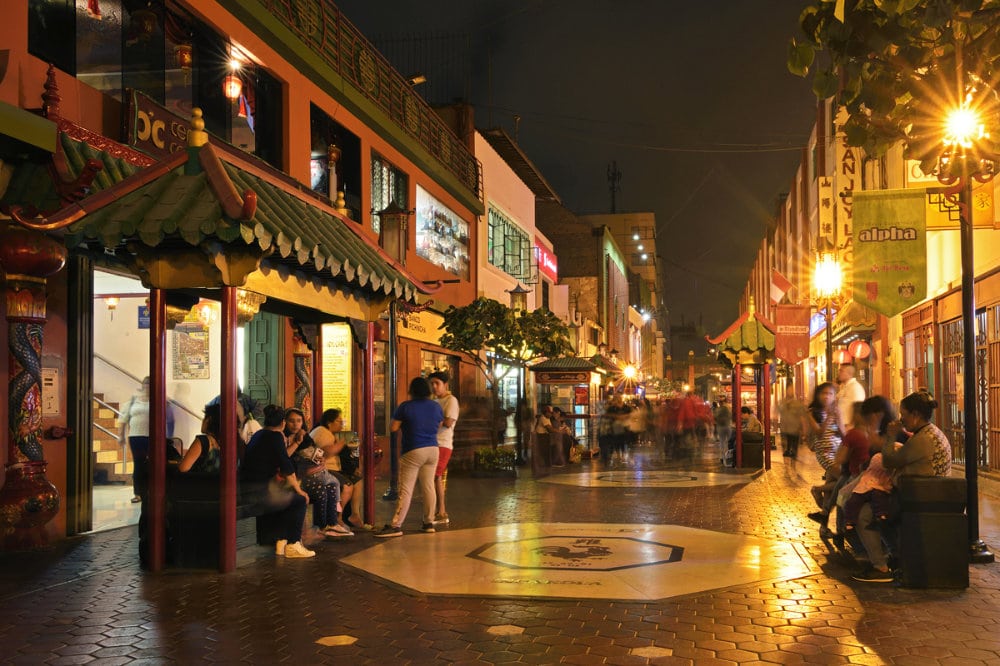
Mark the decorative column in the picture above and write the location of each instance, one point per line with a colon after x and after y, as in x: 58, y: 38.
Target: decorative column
x: 27, y: 500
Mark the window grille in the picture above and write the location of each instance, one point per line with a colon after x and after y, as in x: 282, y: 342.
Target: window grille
x: 509, y: 248
x: 388, y: 184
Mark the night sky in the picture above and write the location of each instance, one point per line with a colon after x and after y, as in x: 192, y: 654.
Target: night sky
x: 691, y: 99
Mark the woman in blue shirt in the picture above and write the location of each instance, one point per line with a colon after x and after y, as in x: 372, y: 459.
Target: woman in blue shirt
x: 418, y: 418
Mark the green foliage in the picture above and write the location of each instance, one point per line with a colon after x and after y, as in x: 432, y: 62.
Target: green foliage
x: 898, y: 66
x: 486, y: 324
x: 495, y: 459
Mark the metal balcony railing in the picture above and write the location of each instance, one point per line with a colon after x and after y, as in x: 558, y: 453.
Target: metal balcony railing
x: 322, y: 27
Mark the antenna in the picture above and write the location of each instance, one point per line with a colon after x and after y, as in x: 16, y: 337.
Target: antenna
x: 614, y: 183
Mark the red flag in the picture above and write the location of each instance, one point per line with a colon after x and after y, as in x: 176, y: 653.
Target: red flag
x: 780, y: 285
x: 791, y: 333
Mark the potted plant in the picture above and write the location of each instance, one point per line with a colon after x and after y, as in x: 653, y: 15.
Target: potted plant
x: 495, y: 463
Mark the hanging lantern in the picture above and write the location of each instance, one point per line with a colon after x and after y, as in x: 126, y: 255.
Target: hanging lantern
x: 184, y: 56
x: 232, y: 86
x: 144, y: 24
x: 859, y: 349
x: 842, y: 357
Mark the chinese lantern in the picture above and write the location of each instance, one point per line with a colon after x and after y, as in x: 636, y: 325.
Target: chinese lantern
x: 859, y: 349
x: 232, y: 86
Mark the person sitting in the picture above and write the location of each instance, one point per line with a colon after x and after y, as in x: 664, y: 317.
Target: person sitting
x: 321, y: 486
x: 749, y: 423
x: 927, y: 452
x: 204, y: 454
x: 269, y: 481
x: 326, y: 438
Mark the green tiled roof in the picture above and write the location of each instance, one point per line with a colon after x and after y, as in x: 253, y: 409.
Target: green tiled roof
x: 565, y: 363
x: 185, y: 202
x: 748, y: 340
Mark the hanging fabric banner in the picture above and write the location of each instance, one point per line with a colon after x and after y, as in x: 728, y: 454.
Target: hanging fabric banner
x: 791, y: 333
x: 890, y: 249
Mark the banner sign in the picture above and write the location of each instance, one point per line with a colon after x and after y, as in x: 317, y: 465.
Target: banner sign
x: 890, y: 249
x: 791, y: 333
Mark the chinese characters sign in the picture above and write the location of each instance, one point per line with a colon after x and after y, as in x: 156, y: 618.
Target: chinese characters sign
x: 337, y: 370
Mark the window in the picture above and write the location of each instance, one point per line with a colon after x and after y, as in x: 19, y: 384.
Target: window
x: 388, y: 184
x: 327, y: 132
x: 156, y: 48
x: 509, y: 248
x: 442, y: 236
x: 545, y: 295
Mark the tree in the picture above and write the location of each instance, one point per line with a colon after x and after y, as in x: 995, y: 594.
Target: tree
x: 486, y: 325
x: 898, y: 67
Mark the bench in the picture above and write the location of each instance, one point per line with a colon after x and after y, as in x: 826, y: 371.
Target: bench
x: 932, y: 532
x: 193, y: 522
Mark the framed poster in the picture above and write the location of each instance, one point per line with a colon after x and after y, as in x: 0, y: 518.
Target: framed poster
x: 189, y: 356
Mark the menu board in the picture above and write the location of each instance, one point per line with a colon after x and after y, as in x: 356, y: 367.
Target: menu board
x: 190, y: 352
x: 442, y: 236
x: 338, y: 345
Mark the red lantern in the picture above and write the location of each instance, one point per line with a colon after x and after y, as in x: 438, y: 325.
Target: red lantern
x: 184, y: 56
x: 841, y: 357
x: 859, y: 349
x: 232, y: 86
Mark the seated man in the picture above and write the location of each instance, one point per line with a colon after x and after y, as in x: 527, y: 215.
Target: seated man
x: 749, y: 423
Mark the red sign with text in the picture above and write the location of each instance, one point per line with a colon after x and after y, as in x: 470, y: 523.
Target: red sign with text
x: 547, y: 261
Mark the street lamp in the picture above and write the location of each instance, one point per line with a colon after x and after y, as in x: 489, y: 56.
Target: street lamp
x: 961, y: 163
x: 828, y: 279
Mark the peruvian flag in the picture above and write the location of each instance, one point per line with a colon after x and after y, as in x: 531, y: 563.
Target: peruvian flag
x: 780, y: 285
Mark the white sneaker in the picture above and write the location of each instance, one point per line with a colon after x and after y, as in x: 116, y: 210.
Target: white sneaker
x: 298, y: 550
x: 279, y: 547
x: 340, y: 529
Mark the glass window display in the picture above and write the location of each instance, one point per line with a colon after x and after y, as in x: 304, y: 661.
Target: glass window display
x: 442, y: 236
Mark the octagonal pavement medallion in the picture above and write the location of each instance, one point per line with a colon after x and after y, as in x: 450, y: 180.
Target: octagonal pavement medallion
x: 579, y: 560
x: 637, y: 478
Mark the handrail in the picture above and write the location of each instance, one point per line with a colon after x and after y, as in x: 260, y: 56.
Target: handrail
x: 105, y: 430
x: 138, y: 380
x: 105, y: 405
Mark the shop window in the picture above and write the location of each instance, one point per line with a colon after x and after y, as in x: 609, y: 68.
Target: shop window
x: 442, y: 236
x: 434, y: 362
x: 388, y: 184
x: 335, y: 160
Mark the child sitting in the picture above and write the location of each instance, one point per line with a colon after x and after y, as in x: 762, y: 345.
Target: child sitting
x: 875, y: 486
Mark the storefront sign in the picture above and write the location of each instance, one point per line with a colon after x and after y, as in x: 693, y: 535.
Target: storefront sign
x: 423, y: 326
x: 791, y: 336
x: 547, y: 263
x: 846, y: 179
x: 826, y: 209
x: 337, y: 369
x: 562, y: 377
x: 143, y: 317
x: 581, y: 395
x: 153, y: 129
x: 890, y: 249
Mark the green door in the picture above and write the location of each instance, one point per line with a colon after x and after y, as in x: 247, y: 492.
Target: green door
x: 264, y: 358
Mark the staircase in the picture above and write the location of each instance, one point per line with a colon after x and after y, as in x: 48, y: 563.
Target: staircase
x: 110, y: 465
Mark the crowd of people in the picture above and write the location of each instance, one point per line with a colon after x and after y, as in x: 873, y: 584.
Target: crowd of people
x: 863, y: 447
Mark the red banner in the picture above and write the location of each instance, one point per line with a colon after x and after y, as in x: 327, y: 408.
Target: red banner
x: 791, y: 335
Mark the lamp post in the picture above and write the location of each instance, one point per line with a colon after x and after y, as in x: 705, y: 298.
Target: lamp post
x: 519, y: 304
x: 827, y: 281
x: 959, y: 165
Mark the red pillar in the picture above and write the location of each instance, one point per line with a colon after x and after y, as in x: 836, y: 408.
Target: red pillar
x: 157, y: 461
x: 737, y: 399
x: 227, y: 402
x: 368, y: 435
x: 317, y: 377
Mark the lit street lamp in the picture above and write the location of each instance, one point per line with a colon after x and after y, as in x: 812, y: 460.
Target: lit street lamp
x: 959, y: 165
x: 828, y: 278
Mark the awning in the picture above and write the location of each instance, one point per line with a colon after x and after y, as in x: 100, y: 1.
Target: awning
x: 853, y: 318
x: 27, y: 128
x: 566, y: 363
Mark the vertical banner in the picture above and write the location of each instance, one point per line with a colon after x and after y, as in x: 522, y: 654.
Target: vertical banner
x: 337, y: 369
x: 791, y: 333
x: 846, y: 180
x: 826, y: 209
x: 890, y: 249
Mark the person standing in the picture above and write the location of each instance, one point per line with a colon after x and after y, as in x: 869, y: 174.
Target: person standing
x: 418, y: 419
x: 445, y: 439
x: 791, y: 412
x: 134, y: 429
x: 849, y: 392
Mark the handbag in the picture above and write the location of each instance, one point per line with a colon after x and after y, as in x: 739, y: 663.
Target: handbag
x: 350, y: 462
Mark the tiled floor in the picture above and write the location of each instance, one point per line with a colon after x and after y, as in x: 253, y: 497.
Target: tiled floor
x: 86, y: 601
x: 113, y: 507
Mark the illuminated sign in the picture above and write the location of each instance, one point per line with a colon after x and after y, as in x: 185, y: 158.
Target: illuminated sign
x: 547, y: 263
x: 337, y: 368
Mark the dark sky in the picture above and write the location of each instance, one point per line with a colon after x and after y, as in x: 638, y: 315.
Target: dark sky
x: 691, y: 99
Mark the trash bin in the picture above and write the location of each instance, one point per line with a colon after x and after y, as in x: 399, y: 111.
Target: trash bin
x: 753, y: 450
x: 933, y: 532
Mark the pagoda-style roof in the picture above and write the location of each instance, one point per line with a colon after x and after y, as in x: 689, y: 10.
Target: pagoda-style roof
x: 566, y: 363
x: 748, y: 341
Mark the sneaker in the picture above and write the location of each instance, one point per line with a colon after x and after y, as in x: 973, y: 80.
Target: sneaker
x: 873, y: 575
x: 279, y: 547
x: 819, y: 517
x: 298, y: 550
x: 441, y: 519
x: 389, y: 531
x: 427, y: 527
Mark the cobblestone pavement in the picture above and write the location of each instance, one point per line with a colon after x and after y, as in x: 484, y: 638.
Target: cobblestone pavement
x: 86, y: 601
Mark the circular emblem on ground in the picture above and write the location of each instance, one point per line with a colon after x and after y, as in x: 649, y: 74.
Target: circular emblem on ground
x: 578, y: 553
x: 579, y: 561
x: 629, y: 478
